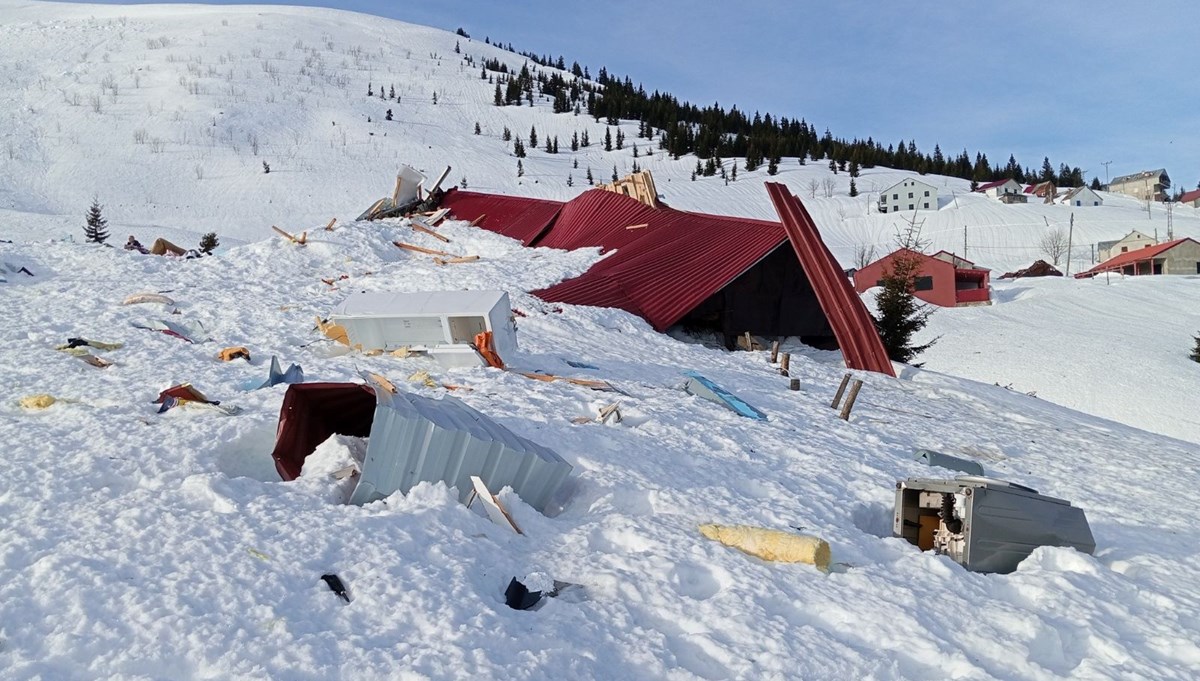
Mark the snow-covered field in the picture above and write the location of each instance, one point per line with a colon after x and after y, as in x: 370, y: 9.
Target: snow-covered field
x: 139, y: 545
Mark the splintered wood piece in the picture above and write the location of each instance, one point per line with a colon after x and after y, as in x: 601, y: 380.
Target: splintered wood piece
x: 612, y: 411
x: 383, y: 382
x: 396, y: 191
x: 476, y: 221
x: 641, y: 226
x: 438, y: 182
x: 774, y: 352
x: 296, y: 240
x: 494, y: 508
x: 837, y: 397
x: 418, y: 227
x: 374, y: 209
x: 854, y: 388
x: 456, y: 261
x: 422, y: 249
x: 437, y: 216
x: 329, y: 227
x: 580, y: 420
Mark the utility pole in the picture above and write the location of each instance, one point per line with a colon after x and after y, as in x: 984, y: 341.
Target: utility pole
x: 1170, y: 221
x: 964, y: 242
x: 1070, y: 236
x: 1106, y: 164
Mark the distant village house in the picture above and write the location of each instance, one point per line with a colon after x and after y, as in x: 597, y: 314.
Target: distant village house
x: 944, y: 279
x: 1001, y: 188
x: 1148, y: 185
x: 1043, y: 190
x: 1191, y: 198
x: 1082, y: 196
x: 1132, y: 241
x: 910, y: 194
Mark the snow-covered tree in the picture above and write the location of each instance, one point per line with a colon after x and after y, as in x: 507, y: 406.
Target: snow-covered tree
x: 96, y: 228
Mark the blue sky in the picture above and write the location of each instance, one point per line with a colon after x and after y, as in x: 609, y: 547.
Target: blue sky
x: 1080, y: 82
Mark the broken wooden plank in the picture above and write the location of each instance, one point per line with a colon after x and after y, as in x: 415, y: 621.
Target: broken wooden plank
x: 491, y: 505
x: 438, y: 182
x: 476, y: 221
x: 396, y: 191
x: 641, y: 226
x: 422, y: 249
x: 329, y: 227
x: 418, y: 227
x: 437, y: 216
x: 300, y: 240
x: 455, y: 261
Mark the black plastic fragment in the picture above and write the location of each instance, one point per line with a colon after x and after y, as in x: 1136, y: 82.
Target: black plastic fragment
x: 518, y: 597
x: 336, y: 586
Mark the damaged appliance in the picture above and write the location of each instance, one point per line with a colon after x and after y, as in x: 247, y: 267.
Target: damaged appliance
x: 985, y: 524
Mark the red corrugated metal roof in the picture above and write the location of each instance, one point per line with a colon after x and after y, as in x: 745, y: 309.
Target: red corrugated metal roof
x: 1128, y: 258
x: 1188, y: 197
x: 989, y: 185
x: 662, y: 271
x: 513, y: 216
x: 852, y: 324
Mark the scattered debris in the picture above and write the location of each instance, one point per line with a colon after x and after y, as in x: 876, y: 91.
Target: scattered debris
x: 518, y: 596
x: 422, y: 249
x: 298, y: 240
x: 37, y: 402
x: 702, y: 387
x: 276, y: 375
x: 1041, y: 268
x: 418, y: 226
x: 192, y: 332
x: 984, y: 524
x: 954, y: 463
x: 771, y: 545
x: 638, y: 186
x: 235, y: 352
x: 611, y: 411
x: 139, y: 298
x: 491, y: 505
x: 329, y: 227
x: 336, y: 586
x: 585, y: 382
x: 456, y: 260
x: 581, y: 365
x: 77, y: 343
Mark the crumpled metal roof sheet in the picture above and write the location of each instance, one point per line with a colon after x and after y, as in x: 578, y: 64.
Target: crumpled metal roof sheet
x: 515, y: 217
x: 419, y: 439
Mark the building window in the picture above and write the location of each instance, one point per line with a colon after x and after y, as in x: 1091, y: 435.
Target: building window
x: 910, y: 195
x: 1198, y: 268
x: 926, y: 204
x: 926, y: 192
x: 1078, y: 202
x: 910, y: 206
x: 895, y: 197
x: 923, y: 283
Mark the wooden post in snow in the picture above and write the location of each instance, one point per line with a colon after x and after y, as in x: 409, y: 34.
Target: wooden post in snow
x: 837, y: 397
x: 785, y: 363
x: 794, y: 384
x: 774, y: 352
x: 851, y: 398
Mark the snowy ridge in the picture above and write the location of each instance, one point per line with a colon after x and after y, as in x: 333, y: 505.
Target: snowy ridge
x: 144, y: 546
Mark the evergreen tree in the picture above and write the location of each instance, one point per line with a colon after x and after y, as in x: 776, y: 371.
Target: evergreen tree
x: 533, y: 137
x: 620, y: 139
x: 833, y: 166
x: 370, y: 90
x: 392, y: 92
x: 853, y: 169
x: 575, y: 141
x: 608, y: 139
x: 853, y: 188
x: 584, y: 141
x: 518, y: 148
x: 96, y: 228
x: 554, y: 147
x: 591, y: 180
x: 1195, y: 356
x: 388, y: 116
x: 435, y: 98
x: 520, y: 168
x: 614, y: 175
x: 506, y: 135
x: 497, y: 99
x: 478, y: 130
x: 635, y: 151
x: 733, y: 173
x: 1047, y: 170
x: 1095, y: 186
x: 549, y: 146
x: 463, y: 183
x: 575, y: 163
x: 570, y: 181
x: 208, y: 242
x: 772, y: 166
x: 899, y: 315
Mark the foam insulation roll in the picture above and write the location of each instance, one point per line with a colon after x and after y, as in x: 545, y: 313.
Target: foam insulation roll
x: 771, y: 545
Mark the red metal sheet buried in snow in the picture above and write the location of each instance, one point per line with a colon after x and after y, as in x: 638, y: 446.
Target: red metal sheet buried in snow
x: 601, y: 218
x: 852, y: 324
x: 513, y: 216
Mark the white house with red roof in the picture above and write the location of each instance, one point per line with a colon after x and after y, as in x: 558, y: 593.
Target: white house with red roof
x: 999, y: 188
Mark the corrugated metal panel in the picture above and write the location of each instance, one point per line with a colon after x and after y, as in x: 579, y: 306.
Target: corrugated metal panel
x: 513, y: 216
x: 852, y: 324
x: 418, y: 439
x: 659, y: 272
x: 601, y: 218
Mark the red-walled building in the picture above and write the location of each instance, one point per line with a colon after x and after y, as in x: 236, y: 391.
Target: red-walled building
x: 944, y: 279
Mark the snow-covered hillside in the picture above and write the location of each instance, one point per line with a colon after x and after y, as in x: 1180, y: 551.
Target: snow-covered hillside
x: 166, y: 113
x: 139, y: 545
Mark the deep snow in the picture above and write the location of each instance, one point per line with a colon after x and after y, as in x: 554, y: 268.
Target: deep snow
x: 147, y: 546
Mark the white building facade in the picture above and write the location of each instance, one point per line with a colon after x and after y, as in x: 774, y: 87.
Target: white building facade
x: 909, y: 194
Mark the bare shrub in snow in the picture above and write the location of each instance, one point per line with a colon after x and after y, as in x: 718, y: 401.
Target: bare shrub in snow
x: 1053, y: 245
